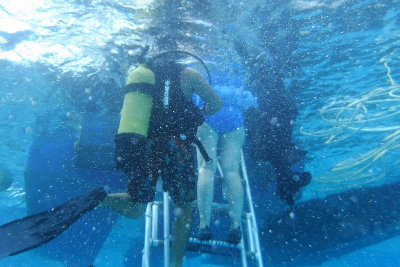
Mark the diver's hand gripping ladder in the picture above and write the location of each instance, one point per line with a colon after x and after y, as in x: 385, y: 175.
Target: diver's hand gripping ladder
x: 248, y: 248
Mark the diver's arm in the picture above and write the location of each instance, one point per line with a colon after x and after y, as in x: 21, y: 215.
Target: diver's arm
x: 193, y: 82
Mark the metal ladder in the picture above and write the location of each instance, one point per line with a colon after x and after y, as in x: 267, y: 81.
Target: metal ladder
x: 247, y: 249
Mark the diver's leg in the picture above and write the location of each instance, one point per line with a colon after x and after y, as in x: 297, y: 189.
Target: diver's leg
x: 140, y: 191
x: 181, y: 229
x: 231, y: 145
x: 179, y: 179
x: 205, y: 183
x: 123, y: 204
x: 132, y: 156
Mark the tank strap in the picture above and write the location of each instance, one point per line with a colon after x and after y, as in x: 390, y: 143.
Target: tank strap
x: 141, y: 87
x: 202, y: 150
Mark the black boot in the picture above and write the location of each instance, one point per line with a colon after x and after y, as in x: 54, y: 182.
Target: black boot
x: 204, y: 234
x: 235, y: 236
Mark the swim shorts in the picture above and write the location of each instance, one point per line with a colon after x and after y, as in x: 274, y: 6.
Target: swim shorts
x: 170, y: 159
x: 228, y: 119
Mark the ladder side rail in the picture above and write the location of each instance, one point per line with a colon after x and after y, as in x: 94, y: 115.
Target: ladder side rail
x: 167, y: 235
x: 154, y: 224
x: 220, y: 169
x: 251, y: 208
x: 147, y: 242
x: 250, y: 233
x: 243, y: 254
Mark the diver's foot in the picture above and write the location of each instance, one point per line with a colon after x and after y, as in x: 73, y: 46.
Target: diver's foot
x: 235, y: 236
x: 287, y: 197
x: 204, y: 234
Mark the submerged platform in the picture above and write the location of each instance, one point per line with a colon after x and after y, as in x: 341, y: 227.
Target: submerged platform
x: 318, y: 230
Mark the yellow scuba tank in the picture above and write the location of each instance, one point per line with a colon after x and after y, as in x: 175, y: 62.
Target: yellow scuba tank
x: 135, y: 113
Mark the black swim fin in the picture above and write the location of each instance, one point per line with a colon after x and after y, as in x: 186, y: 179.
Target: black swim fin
x: 34, y: 230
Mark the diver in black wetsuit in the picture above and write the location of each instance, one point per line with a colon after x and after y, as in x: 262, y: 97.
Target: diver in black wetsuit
x: 269, y: 127
x: 157, y: 128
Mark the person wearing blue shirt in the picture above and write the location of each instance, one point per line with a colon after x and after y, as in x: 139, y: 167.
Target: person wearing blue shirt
x: 222, y: 134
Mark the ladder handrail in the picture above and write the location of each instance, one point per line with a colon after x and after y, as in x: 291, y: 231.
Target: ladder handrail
x: 167, y: 236
x: 250, y: 204
x: 242, y: 245
x: 243, y: 251
x: 148, y: 225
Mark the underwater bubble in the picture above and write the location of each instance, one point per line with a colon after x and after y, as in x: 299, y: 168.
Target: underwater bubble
x: 178, y: 212
x: 354, y: 199
x: 68, y: 114
x: 28, y: 130
x: 292, y: 215
x: 274, y: 121
x: 231, y: 214
x: 33, y: 101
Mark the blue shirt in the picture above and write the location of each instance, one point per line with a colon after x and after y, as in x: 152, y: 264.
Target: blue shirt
x: 230, y: 117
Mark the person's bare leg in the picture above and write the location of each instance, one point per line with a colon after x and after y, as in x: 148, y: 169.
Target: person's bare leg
x: 123, y: 204
x: 205, y: 183
x: 231, y: 145
x: 205, y: 195
x: 181, y: 229
x: 234, y: 188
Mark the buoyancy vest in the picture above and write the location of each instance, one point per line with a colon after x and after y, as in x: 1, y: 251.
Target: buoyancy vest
x: 172, y: 114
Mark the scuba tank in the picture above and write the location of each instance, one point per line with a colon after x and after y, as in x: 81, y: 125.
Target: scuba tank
x: 143, y: 116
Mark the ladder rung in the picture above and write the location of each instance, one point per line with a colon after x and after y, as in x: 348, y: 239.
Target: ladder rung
x: 157, y: 243
x: 210, y: 247
x: 219, y: 208
x: 216, y: 175
x: 213, y: 247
